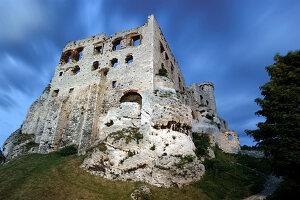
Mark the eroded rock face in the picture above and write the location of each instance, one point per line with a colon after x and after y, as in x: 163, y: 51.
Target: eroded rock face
x: 161, y: 158
x: 123, y: 101
x: 229, y: 142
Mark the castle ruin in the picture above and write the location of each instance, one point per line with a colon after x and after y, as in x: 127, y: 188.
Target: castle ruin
x: 125, y: 93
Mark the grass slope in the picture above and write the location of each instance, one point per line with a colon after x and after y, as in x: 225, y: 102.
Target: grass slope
x: 53, y: 176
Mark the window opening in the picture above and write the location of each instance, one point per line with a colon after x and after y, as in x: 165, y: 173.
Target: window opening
x: 55, y: 93
x: 114, y: 62
x: 76, y: 70
x: 136, y: 40
x: 95, y: 65
x: 230, y: 137
x: 131, y: 97
x: 117, y: 44
x: 114, y: 84
x: 99, y: 49
x: 78, y: 54
x: 60, y: 73
x: 161, y: 48
x: 206, y: 102
x: 172, y: 67
x: 129, y: 59
x: 201, y: 99
x: 71, y: 90
x: 66, y: 56
x: 166, y: 56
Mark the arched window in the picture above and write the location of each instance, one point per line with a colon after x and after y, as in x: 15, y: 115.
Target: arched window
x: 117, y: 44
x: 66, y: 56
x: 131, y: 97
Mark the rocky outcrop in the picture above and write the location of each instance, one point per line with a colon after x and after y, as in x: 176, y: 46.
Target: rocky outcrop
x: 159, y: 157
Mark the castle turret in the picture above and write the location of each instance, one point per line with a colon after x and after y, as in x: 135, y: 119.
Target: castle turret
x: 208, y: 90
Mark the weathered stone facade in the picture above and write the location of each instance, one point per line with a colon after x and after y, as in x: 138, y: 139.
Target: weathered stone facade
x: 229, y: 142
x: 127, y: 94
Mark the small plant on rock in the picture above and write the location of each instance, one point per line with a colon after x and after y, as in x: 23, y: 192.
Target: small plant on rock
x: 152, y: 148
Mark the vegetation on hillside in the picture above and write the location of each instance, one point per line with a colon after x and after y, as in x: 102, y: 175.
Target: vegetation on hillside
x: 279, y: 135
x: 58, y: 176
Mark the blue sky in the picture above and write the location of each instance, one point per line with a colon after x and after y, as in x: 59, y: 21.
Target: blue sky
x: 228, y: 42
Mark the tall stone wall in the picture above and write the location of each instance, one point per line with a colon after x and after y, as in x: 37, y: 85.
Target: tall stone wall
x: 89, y: 80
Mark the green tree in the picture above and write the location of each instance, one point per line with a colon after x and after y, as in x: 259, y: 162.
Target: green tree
x: 279, y: 135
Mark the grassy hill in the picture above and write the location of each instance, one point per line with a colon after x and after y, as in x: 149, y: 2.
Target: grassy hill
x: 54, y: 176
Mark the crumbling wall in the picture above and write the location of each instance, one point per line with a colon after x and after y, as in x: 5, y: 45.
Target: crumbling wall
x: 229, y: 142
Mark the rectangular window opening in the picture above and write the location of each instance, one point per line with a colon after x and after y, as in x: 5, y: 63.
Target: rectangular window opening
x: 166, y: 56
x: 114, y: 62
x: 162, y: 49
x: 99, y: 49
x: 116, y: 44
x: 136, y: 40
x: 114, y: 84
x: 129, y: 59
x: 78, y: 55
x: 60, y: 73
x: 71, y: 90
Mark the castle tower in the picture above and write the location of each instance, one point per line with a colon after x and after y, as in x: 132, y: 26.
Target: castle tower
x: 208, y: 90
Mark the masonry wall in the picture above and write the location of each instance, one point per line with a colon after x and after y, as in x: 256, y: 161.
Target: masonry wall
x: 82, y: 105
x: 81, y: 94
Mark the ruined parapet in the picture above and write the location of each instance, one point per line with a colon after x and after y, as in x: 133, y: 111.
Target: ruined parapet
x: 229, y: 142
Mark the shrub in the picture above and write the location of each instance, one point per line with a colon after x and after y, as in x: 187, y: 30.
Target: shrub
x: 102, y: 147
x: 201, y: 143
x: 68, y: 150
x: 189, y: 158
x: 152, y: 148
x: 30, y: 144
x: 130, y: 154
x: 163, y: 72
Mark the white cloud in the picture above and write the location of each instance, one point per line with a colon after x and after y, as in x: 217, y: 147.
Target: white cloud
x: 18, y: 19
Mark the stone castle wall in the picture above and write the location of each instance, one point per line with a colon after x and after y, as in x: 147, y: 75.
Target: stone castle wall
x: 109, y: 92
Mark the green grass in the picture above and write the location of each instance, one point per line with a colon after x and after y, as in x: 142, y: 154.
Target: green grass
x: 232, y: 176
x: 53, y: 176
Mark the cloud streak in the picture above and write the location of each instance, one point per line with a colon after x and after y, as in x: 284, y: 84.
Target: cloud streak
x: 226, y: 42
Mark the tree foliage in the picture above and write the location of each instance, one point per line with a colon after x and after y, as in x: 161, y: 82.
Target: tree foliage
x: 279, y: 135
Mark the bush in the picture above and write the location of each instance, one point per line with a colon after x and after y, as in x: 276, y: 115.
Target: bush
x: 102, y: 147
x: 163, y: 72
x: 152, y: 148
x: 68, y: 150
x: 201, y: 143
x: 189, y: 158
